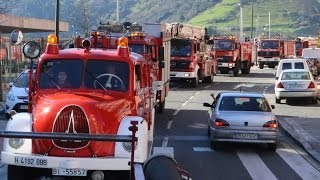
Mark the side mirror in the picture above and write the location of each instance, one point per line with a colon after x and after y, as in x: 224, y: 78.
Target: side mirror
x: 31, y: 49
x: 273, y: 107
x: 207, y: 105
x: 10, y: 84
x: 161, y: 64
x: 161, y: 53
x: 16, y: 37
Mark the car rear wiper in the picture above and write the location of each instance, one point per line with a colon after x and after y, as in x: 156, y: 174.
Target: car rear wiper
x: 52, y: 80
x: 98, y: 82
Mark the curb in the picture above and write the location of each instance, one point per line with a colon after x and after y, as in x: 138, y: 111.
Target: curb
x: 303, y: 143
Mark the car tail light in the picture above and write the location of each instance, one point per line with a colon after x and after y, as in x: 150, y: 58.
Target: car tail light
x: 279, y: 85
x: 271, y: 124
x: 220, y: 123
x: 191, y: 65
x: 311, y: 85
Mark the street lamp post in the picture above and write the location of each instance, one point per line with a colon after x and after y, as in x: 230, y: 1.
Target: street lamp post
x: 72, y: 31
x: 57, y: 20
x: 251, y: 20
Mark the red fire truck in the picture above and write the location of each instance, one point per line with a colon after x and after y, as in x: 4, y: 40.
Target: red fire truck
x: 153, y: 42
x: 81, y: 94
x: 190, y: 59
x: 233, y: 55
x: 270, y: 51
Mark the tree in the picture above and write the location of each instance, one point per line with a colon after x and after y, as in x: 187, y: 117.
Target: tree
x: 6, y: 6
x: 80, y: 15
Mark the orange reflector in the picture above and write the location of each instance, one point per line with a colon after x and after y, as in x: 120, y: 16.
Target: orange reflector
x: 123, y: 42
x: 52, y: 39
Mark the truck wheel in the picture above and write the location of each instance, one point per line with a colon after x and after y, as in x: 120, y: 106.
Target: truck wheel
x: 261, y: 65
x: 271, y: 66
x: 209, y: 79
x: 161, y: 106
x: 18, y: 173
x: 314, y: 101
x: 278, y: 101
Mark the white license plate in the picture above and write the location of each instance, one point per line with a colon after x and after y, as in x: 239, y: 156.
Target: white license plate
x: 68, y: 172
x: 24, y: 107
x: 295, y: 85
x: 225, y: 64
x: 38, y: 162
x: 245, y: 136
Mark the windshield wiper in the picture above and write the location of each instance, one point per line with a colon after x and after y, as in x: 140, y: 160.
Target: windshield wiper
x: 93, y: 77
x: 52, y: 80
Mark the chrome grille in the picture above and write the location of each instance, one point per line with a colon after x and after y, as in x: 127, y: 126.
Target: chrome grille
x: 71, y: 120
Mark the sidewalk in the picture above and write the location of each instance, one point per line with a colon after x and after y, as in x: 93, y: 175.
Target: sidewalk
x: 306, y: 132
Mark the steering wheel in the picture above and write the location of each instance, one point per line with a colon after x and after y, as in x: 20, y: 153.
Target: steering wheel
x: 109, y: 77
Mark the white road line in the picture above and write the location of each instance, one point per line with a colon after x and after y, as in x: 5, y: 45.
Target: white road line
x: 197, y: 93
x: 207, y: 87
x: 184, y: 103
x: 255, y: 166
x: 169, y: 151
x: 202, y: 149
x: 191, y: 97
x: 165, y: 141
x: 176, y: 112
x: 302, y: 167
x: 169, y: 124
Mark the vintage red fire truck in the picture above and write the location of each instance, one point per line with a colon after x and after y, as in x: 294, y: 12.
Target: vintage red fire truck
x: 190, y: 59
x: 233, y: 55
x: 270, y: 51
x: 153, y: 42
x: 86, y: 91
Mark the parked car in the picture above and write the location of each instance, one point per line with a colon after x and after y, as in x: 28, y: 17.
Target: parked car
x: 291, y: 64
x: 242, y: 117
x: 17, y: 97
x: 296, y: 83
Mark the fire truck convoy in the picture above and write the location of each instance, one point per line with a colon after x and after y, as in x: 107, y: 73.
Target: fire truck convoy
x: 153, y: 42
x: 190, y: 59
x: 76, y: 105
x: 233, y: 55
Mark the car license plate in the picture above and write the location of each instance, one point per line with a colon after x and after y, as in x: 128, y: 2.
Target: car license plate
x: 68, y: 172
x: 225, y: 64
x: 245, y: 135
x: 38, y: 162
x: 24, y: 107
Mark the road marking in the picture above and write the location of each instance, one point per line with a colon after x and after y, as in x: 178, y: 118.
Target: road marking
x: 243, y: 85
x: 202, y: 149
x: 165, y: 141
x: 169, y: 151
x: 176, y: 112
x: 184, y: 103
x: 197, y: 93
x: 302, y: 167
x: 169, y: 124
x: 183, y: 138
x: 207, y: 87
x: 251, y: 161
x: 191, y: 97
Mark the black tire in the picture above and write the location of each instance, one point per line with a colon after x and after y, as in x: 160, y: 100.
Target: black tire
x: 208, y: 79
x: 272, y: 147
x: 261, y: 65
x: 236, y: 69
x: 246, y: 68
x: 214, y: 145
x: 209, y: 133
x: 278, y: 101
x: 19, y: 173
x: 195, y: 82
x: 161, y: 106
x: 271, y: 66
x: 314, y: 101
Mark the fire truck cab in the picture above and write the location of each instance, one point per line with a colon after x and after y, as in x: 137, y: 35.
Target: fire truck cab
x: 270, y: 51
x: 88, y: 90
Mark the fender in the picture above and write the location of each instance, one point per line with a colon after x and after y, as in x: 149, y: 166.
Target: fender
x: 141, y: 151
x: 21, y: 122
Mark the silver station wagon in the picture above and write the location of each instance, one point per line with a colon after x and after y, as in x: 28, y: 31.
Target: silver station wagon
x: 242, y: 117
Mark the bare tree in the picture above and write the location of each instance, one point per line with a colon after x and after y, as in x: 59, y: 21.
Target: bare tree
x: 80, y: 15
x: 6, y: 6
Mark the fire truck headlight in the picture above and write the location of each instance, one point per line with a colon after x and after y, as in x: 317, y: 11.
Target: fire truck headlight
x: 127, y: 146
x: 230, y: 65
x: 16, y: 143
x: 186, y: 75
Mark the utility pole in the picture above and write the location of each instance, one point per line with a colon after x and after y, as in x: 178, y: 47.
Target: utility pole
x: 1, y: 91
x: 251, y: 20
x: 269, y: 25
x: 241, y: 24
x: 57, y: 19
x: 117, y: 10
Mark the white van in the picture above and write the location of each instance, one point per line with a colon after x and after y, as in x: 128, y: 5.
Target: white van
x: 291, y: 64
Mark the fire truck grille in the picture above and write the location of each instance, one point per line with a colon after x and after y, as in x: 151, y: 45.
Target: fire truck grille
x: 269, y: 54
x: 225, y: 59
x: 71, y: 120
x: 180, y: 64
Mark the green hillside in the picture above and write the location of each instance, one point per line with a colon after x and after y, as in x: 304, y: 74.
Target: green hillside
x: 288, y: 17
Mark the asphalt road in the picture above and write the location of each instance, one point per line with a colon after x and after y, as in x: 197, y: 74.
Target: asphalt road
x: 181, y: 131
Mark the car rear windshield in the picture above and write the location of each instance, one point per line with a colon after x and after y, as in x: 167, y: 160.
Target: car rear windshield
x: 295, y: 76
x: 235, y: 103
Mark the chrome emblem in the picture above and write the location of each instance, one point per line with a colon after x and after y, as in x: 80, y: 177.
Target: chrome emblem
x: 71, y: 122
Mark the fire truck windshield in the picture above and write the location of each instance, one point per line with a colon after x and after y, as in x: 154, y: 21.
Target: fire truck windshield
x: 180, y: 47
x: 223, y: 45
x: 107, y: 75
x: 138, y: 48
x: 269, y: 44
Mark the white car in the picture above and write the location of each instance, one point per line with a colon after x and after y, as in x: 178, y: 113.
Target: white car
x: 296, y: 83
x: 17, y: 97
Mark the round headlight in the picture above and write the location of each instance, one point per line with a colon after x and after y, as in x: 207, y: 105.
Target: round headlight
x: 127, y: 146
x: 16, y: 143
